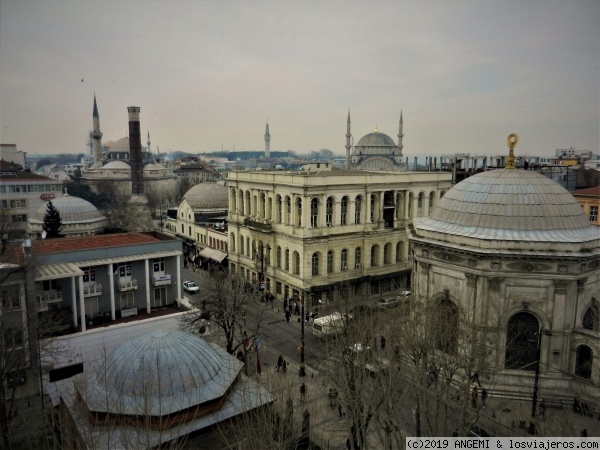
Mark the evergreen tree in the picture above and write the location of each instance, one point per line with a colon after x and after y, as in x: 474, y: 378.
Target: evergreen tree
x: 52, y: 222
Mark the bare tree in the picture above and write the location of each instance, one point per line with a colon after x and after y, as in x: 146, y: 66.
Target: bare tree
x: 225, y: 302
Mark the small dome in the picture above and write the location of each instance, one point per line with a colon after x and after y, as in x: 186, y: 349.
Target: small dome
x: 122, y: 145
x: 152, y: 166
x: 116, y: 165
x: 208, y: 196
x: 376, y: 139
x: 72, y: 210
x: 160, y: 373
x: 510, y: 205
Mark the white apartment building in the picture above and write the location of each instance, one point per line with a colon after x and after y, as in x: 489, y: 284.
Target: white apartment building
x: 327, y: 235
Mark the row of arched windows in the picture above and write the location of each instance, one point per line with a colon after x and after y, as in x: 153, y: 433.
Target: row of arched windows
x: 347, y: 259
x: 281, y: 211
x: 522, y: 338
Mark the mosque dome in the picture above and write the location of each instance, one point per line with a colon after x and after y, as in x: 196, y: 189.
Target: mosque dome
x: 509, y: 205
x: 121, y: 145
x: 116, y: 165
x: 73, y: 210
x: 376, y: 139
x: 152, y: 166
x: 208, y: 196
x: 160, y: 373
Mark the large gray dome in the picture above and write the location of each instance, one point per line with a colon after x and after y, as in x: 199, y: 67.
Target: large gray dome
x: 208, y: 196
x: 376, y: 139
x: 510, y: 205
x: 160, y: 373
x: 73, y: 210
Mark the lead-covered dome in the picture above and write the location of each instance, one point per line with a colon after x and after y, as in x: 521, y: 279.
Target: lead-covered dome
x: 376, y: 139
x: 509, y: 205
x: 159, y: 373
x: 73, y: 210
x: 121, y: 145
x: 208, y: 196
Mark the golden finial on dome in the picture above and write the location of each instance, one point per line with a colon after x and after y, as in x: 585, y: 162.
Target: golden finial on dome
x: 376, y: 130
x: 511, y: 141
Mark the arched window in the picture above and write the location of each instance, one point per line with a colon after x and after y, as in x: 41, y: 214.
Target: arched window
x: 288, y: 210
x: 399, y: 251
x: 279, y: 209
x: 411, y: 199
x: 521, y: 342
x: 233, y: 200
x: 232, y: 242
x: 357, y: 258
x: 190, y: 231
x: 299, y: 211
x: 296, y: 263
x: 357, y: 209
x: 315, y: 264
x: 445, y: 326
x: 329, y: 211
x: 344, y: 211
x: 431, y: 202
x: 263, y: 206
x: 278, y: 257
x: 241, y: 201
x: 314, y: 213
x: 287, y: 259
x: 268, y: 255
x: 242, y: 245
x: 387, y: 253
x: 583, y: 362
x: 182, y: 229
x: 374, y: 255
x: 254, y: 255
x: 591, y: 319
x: 248, y: 246
x: 372, y: 211
x: 344, y: 259
x: 329, y: 261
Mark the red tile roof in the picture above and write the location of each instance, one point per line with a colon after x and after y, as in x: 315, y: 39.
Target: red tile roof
x: 591, y: 192
x: 46, y: 246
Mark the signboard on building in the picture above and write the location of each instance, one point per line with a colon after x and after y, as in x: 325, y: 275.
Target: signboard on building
x: 46, y: 197
x: 162, y: 280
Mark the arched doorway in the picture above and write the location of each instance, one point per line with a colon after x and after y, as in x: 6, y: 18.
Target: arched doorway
x: 521, y: 342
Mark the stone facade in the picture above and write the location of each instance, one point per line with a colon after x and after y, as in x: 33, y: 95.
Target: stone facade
x: 329, y: 235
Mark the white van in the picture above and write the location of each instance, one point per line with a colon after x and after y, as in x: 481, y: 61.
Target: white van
x: 330, y: 325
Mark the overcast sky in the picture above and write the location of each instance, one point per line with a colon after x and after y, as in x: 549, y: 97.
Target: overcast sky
x: 208, y: 75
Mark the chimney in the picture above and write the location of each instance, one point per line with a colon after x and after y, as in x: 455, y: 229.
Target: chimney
x: 135, y: 151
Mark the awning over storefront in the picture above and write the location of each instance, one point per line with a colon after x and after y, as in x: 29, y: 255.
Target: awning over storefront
x: 215, y: 255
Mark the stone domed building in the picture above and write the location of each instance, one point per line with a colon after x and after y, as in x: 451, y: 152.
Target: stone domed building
x: 374, y: 151
x: 79, y: 217
x: 153, y: 389
x: 202, y: 222
x: 511, y: 262
x: 119, y: 151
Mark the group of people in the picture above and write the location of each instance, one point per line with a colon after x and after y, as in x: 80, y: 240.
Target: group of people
x: 281, y: 364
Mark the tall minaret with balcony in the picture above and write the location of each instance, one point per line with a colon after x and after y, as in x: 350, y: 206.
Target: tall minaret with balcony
x: 400, y: 134
x: 348, y: 145
x: 267, y: 142
x: 148, y: 142
x: 96, y: 136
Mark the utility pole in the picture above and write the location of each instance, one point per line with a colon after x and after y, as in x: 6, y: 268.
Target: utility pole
x: 532, y: 429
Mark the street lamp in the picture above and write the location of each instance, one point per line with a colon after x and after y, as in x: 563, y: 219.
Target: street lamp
x: 532, y: 427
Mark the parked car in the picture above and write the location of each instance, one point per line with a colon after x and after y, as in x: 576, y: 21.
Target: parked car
x: 386, y: 303
x: 405, y: 294
x: 191, y: 287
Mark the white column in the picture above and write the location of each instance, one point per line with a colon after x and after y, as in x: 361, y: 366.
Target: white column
x: 82, y: 305
x: 147, y: 270
x: 415, y: 207
x: 74, y: 300
x: 178, y: 280
x: 111, y: 278
x: 406, y: 204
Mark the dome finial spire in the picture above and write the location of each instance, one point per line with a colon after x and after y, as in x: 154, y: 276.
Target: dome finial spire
x: 511, y: 141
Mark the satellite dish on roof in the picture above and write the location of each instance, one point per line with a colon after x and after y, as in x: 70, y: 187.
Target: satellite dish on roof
x: 44, y: 234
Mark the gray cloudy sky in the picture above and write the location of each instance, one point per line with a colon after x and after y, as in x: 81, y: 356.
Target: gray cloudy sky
x: 208, y: 74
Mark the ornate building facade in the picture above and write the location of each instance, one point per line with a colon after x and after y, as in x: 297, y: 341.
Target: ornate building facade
x: 329, y: 235
x: 513, y: 261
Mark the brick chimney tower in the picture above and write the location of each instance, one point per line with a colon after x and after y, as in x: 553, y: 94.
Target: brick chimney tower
x: 135, y: 151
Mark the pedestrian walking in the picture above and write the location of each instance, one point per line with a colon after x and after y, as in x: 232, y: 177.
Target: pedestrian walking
x: 284, y: 366
x: 287, y: 316
x: 279, y: 362
x: 303, y: 392
x: 483, y: 396
x: 285, y: 303
x: 543, y: 410
x: 583, y: 433
x: 474, y: 395
x: 298, y: 308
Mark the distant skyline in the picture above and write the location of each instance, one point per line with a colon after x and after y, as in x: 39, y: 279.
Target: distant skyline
x: 209, y: 74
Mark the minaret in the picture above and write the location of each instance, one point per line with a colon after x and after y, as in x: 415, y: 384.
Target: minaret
x: 135, y: 151
x: 267, y: 142
x: 148, y: 148
x: 96, y: 136
x: 348, y: 145
x: 400, y: 134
